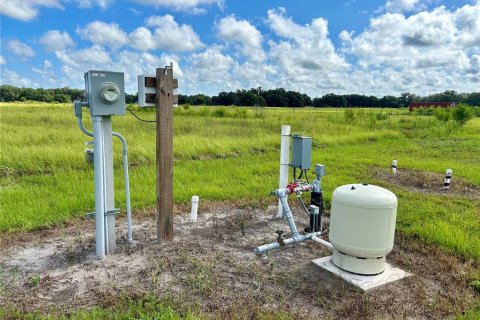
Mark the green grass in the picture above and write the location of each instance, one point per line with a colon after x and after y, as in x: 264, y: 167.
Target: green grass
x: 144, y: 308
x: 232, y: 153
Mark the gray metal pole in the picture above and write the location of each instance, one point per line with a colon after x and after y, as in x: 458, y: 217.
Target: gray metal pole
x: 110, y: 231
x: 99, y: 186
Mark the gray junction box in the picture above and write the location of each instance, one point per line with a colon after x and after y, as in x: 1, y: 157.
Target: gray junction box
x: 301, y: 152
x: 105, y: 92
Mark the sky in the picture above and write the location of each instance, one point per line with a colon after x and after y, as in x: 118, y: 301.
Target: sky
x: 315, y: 47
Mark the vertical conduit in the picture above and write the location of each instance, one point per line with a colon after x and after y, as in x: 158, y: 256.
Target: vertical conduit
x: 284, y: 159
x: 127, y: 185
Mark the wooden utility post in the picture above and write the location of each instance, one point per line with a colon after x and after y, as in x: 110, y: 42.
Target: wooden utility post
x: 164, y: 103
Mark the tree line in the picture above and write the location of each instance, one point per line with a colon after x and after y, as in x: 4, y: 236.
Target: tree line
x: 283, y: 98
x: 254, y: 97
x: 10, y: 93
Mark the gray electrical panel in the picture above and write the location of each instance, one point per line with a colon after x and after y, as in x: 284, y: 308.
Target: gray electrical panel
x: 301, y: 152
x: 105, y: 92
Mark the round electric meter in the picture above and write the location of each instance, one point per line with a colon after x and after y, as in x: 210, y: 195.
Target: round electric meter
x: 109, y: 93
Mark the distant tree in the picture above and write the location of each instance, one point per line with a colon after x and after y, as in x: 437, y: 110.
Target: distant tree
x: 200, y: 100
x: 406, y: 98
x: 62, y: 98
x: 308, y: 101
x: 276, y: 99
x: 390, y: 102
x: 131, y: 98
x: 472, y: 99
x: 333, y: 100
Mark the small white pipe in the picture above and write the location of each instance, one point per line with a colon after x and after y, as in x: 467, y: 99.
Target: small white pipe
x: 99, y: 187
x: 193, y: 213
x: 261, y: 250
x: 448, y: 179
x: 322, y: 242
x: 394, y: 167
x: 284, y: 160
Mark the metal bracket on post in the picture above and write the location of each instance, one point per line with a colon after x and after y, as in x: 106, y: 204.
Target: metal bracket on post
x: 91, y: 215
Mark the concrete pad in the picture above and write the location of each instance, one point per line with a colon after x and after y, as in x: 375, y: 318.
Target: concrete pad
x: 364, y: 283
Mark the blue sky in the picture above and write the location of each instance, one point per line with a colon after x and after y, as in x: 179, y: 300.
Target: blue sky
x: 315, y: 47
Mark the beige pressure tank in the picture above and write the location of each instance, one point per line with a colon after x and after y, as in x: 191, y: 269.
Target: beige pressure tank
x: 362, y: 227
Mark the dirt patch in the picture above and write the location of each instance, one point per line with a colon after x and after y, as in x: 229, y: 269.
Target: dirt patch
x: 428, y: 182
x: 211, y: 265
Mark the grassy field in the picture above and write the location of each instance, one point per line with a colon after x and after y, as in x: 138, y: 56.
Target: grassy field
x: 231, y: 154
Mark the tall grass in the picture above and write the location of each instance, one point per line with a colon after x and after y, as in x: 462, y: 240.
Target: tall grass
x: 231, y: 153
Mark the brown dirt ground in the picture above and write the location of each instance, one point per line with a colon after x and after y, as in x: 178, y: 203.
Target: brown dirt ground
x: 211, y: 265
x: 428, y: 183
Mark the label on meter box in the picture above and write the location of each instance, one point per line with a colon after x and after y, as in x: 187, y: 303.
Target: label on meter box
x: 98, y: 74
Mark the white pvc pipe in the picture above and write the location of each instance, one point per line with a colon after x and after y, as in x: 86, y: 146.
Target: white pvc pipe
x: 394, y: 167
x: 193, y: 213
x: 284, y: 160
x: 322, y: 242
x: 99, y: 187
x: 447, y: 180
x: 261, y: 250
x: 127, y: 185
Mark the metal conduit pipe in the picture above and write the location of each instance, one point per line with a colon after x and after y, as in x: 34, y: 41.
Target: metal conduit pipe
x: 125, y: 170
x: 322, y: 242
x: 82, y: 128
x: 127, y: 185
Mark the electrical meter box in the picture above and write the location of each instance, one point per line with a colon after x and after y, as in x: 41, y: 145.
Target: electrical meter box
x: 301, y: 152
x: 105, y: 92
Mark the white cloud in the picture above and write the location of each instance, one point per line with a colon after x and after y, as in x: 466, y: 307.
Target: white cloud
x: 169, y: 35
x: 346, y: 36
x: 135, y: 11
x: 104, y: 4
x: 2, y: 60
x: 191, y: 6
x: 467, y: 19
x: 26, y: 10
x: 76, y: 62
x: 404, y: 5
x: 142, y: 39
x: 89, y: 58
x: 306, y: 53
x: 211, y: 70
x: 20, y: 49
x: 241, y: 31
x: 136, y: 63
x: 46, y: 73
x: 11, y: 77
x: 424, y: 52
x: 55, y: 40
x: 105, y: 34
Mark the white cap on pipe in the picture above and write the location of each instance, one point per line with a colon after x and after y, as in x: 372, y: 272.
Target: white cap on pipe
x: 193, y: 213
